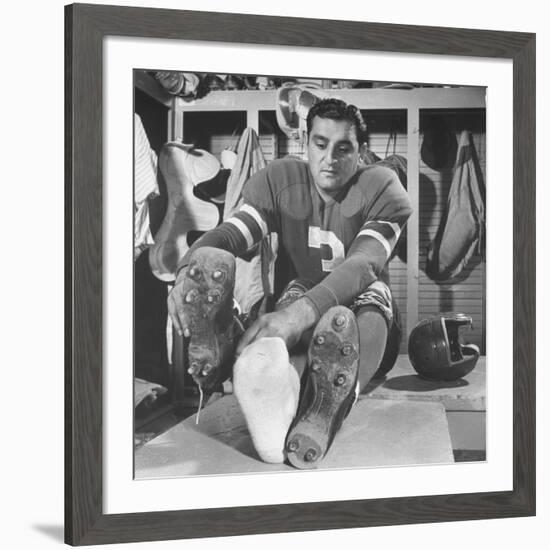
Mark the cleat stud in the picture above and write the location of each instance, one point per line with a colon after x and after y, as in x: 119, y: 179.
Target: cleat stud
x: 311, y: 455
x: 293, y: 446
x: 347, y: 350
x: 320, y: 340
x: 339, y: 320
x: 340, y: 380
x: 217, y: 275
x: 213, y: 297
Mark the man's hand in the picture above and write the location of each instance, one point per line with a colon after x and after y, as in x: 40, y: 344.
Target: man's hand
x: 175, y: 309
x: 289, y: 324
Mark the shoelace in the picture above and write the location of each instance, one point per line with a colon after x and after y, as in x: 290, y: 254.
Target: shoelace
x: 200, y: 405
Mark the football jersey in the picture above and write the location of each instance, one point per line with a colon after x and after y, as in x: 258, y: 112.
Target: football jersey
x: 342, y: 244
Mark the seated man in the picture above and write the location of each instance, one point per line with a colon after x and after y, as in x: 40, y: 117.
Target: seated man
x: 337, y: 224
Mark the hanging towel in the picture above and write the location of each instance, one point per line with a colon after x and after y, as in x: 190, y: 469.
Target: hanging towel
x: 254, y: 274
x: 249, y: 160
x: 145, y: 186
x: 461, y: 233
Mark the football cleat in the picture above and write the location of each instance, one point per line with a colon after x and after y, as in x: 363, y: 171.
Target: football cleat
x: 330, y: 388
x: 208, y: 307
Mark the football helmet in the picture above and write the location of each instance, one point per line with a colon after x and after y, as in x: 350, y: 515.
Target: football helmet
x: 435, y: 349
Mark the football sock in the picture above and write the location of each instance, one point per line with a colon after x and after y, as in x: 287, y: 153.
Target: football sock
x: 267, y: 387
x: 373, y: 333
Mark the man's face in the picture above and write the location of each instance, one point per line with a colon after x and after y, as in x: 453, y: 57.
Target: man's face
x: 333, y: 153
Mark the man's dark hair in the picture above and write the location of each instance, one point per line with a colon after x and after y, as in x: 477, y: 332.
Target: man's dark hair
x: 336, y: 109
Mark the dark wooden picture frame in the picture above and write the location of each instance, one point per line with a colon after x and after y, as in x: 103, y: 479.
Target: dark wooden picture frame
x: 85, y: 28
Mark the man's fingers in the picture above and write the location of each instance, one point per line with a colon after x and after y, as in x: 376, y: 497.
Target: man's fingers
x: 183, y: 325
x: 178, y: 320
x: 175, y: 319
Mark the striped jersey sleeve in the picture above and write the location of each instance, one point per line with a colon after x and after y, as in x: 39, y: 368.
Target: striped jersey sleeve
x: 381, y: 234
x: 237, y: 234
x: 250, y: 225
x: 254, y: 219
x: 385, y: 217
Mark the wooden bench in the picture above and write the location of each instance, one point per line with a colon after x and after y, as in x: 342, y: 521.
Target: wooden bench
x: 378, y: 432
x: 464, y: 400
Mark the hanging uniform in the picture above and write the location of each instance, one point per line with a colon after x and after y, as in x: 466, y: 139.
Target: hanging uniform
x: 342, y: 245
x: 461, y: 232
x: 254, y: 275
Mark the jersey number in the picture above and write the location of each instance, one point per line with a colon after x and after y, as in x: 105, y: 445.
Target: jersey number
x: 329, y: 245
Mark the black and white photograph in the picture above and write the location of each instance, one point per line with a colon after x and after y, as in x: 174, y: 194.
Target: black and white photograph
x: 309, y: 282
x: 275, y: 275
